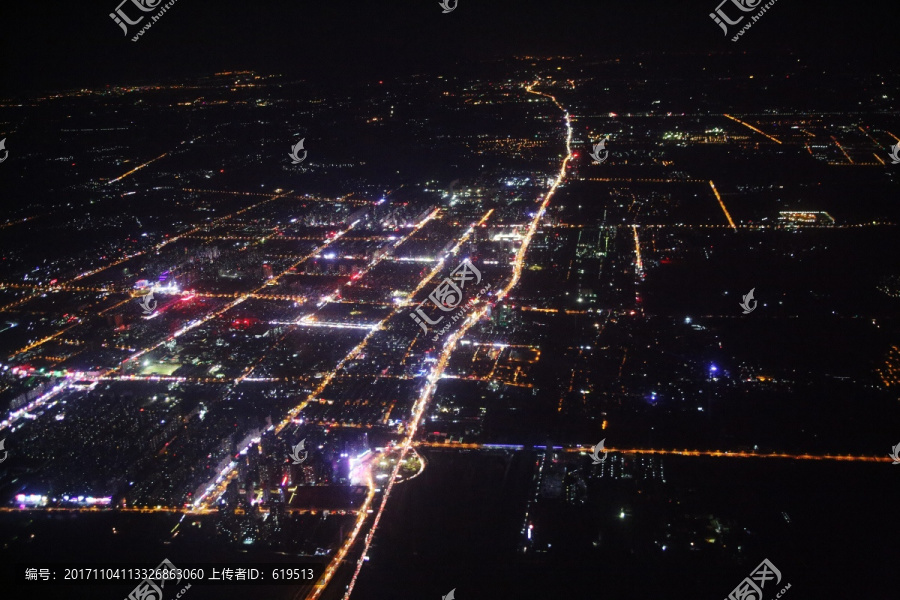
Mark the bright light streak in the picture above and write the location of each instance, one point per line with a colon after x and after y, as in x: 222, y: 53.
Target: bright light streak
x: 722, y: 204
x: 749, y: 126
x: 449, y: 345
x: 137, y: 168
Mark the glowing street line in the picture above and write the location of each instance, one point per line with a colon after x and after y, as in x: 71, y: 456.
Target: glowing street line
x: 436, y: 372
x: 869, y: 135
x: 719, y: 453
x: 350, y: 356
x: 192, y: 325
x: 43, y: 340
x: 18, y: 221
x: 328, y: 574
x: 520, y: 255
x: 137, y: 168
x: 20, y: 301
x: 300, y: 198
x: 372, y: 264
x: 275, y: 279
x: 639, y: 265
x: 722, y: 204
x: 332, y: 324
x: 33, y: 405
x: 304, y: 321
x: 841, y: 148
x: 323, y: 582
x: 345, y: 548
x: 172, y: 239
x: 292, y: 414
x: 749, y: 126
x: 440, y: 263
x: 713, y: 453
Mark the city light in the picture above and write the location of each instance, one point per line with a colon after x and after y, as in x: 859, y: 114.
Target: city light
x: 201, y: 366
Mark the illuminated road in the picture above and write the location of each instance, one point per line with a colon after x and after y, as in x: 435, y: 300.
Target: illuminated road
x: 751, y: 127
x: 638, y: 263
x: 240, y: 297
x: 438, y: 369
x: 188, y: 327
x: 197, y: 322
x: 221, y: 482
x: 722, y: 204
x: 157, y: 247
x: 400, y: 310
x: 841, y: 148
x: 137, y: 168
x: 166, y: 509
x: 714, y: 453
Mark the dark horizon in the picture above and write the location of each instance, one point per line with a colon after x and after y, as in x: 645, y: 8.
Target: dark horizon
x: 70, y: 46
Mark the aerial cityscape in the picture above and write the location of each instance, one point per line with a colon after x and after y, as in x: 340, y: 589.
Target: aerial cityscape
x: 449, y: 301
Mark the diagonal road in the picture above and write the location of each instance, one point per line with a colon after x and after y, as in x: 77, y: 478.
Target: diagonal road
x: 438, y: 369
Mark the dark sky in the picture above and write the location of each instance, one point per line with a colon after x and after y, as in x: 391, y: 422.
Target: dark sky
x: 48, y: 44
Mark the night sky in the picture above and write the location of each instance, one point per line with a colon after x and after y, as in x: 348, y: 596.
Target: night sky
x: 49, y: 45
